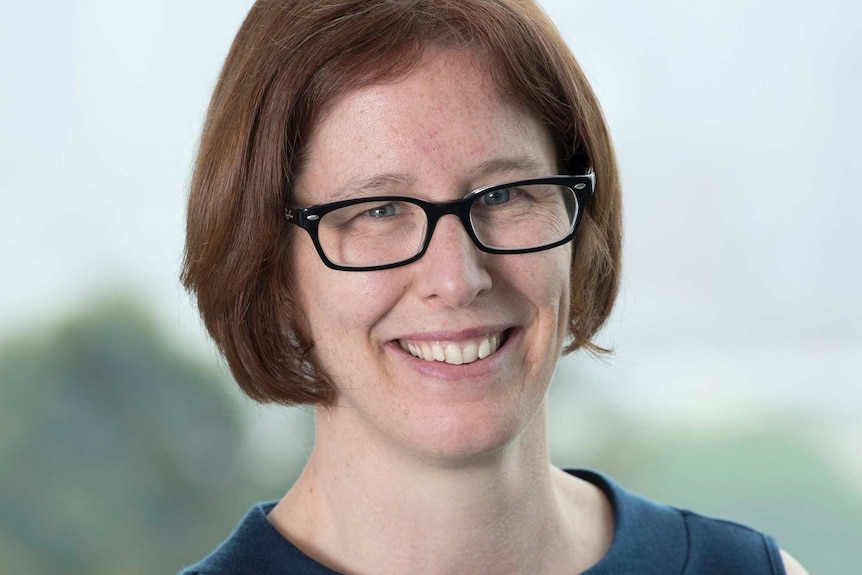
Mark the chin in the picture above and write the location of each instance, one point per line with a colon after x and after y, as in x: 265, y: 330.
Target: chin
x: 471, y: 434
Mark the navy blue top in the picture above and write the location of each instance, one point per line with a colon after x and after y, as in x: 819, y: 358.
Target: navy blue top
x: 649, y: 539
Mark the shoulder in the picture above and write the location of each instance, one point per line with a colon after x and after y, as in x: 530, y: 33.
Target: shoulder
x: 729, y: 540
x: 729, y: 547
x: 651, y: 537
x: 236, y: 554
x: 256, y: 548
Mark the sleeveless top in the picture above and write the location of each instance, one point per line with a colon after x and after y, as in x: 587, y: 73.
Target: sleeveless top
x: 649, y: 539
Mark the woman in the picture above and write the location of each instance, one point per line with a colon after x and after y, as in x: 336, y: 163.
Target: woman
x: 377, y: 227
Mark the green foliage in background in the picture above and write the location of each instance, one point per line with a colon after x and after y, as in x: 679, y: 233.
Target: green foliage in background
x: 770, y: 476
x: 118, y: 453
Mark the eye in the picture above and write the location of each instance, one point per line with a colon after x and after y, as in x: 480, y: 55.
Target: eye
x: 382, y: 211
x: 496, y: 197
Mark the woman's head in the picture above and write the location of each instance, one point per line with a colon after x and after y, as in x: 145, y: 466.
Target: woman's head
x: 289, y: 65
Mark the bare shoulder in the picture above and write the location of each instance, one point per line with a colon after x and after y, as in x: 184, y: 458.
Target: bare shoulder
x: 791, y: 565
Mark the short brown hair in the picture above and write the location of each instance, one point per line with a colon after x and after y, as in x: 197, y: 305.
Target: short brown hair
x: 289, y: 60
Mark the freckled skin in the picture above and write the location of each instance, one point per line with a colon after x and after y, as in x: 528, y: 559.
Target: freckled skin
x: 436, y: 126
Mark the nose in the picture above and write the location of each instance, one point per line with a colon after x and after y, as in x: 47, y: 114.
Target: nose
x: 453, y: 270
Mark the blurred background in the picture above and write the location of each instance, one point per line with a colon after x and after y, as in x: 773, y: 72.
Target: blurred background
x: 735, y: 385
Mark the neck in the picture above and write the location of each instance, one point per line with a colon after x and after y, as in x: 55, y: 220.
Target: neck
x: 362, y: 507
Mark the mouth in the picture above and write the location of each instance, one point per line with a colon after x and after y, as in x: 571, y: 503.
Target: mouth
x: 455, y: 352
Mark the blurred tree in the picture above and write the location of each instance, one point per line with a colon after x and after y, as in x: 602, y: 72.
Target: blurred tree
x: 770, y: 476
x: 772, y: 470
x: 118, y: 453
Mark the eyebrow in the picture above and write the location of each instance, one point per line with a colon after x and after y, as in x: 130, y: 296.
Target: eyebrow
x: 374, y: 185
x: 523, y: 164
x: 381, y: 184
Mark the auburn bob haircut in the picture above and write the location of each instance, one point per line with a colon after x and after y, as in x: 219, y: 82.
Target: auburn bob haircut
x: 289, y: 60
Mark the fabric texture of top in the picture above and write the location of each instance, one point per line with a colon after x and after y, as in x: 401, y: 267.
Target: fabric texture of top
x: 649, y: 539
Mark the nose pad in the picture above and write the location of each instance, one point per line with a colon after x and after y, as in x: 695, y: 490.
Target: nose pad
x: 453, y: 269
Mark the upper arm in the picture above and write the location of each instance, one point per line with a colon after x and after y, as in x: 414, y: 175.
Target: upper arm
x: 791, y: 565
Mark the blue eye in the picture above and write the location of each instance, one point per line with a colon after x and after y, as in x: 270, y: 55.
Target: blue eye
x: 382, y: 211
x: 496, y: 197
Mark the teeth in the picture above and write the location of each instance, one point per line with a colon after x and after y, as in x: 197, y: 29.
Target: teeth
x: 470, y: 352
x: 439, y: 354
x: 427, y: 354
x: 454, y: 353
x: 484, y: 349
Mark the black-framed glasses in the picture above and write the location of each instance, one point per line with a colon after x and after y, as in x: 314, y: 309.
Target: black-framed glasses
x: 381, y: 232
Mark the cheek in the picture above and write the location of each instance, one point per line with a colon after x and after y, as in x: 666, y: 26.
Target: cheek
x: 551, y: 288
x: 564, y: 273
x: 338, y: 304
x: 550, y: 277
x: 357, y: 301
x: 541, y: 281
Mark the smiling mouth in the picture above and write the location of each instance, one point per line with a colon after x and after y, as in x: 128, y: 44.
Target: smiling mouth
x: 455, y: 353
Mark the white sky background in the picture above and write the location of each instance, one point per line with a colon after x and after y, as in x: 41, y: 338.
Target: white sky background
x: 737, y: 126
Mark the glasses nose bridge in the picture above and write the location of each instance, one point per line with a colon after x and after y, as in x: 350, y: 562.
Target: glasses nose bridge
x: 458, y: 208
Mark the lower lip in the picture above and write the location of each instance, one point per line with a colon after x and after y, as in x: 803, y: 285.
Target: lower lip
x: 451, y: 372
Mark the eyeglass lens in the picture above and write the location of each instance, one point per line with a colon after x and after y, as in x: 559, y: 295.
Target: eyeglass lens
x: 376, y: 232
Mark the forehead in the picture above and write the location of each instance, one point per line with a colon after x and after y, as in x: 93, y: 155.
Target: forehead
x: 445, y: 121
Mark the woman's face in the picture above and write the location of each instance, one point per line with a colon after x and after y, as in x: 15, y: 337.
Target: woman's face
x: 436, y: 134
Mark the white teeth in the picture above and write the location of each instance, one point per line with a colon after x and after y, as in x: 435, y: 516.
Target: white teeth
x: 470, y: 352
x: 439, y: 354
x: 454, y: 353
x: 427, y: 354
x: 484, y: 349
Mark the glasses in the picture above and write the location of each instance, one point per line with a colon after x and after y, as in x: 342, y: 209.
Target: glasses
x: 377, y: 233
